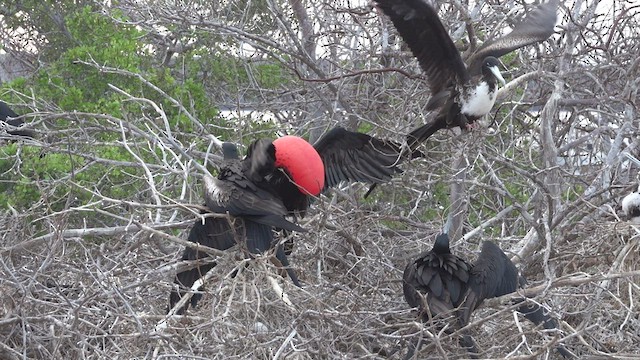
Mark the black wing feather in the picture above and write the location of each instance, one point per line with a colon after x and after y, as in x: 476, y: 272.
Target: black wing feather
x: 260, y: 160
x: 237, y: 195
x: 420, y: 27
x: 537, y: 26
x: 438, y: 276
x: 352, y: 156
x: 492, y: 275
x: 215, y: 233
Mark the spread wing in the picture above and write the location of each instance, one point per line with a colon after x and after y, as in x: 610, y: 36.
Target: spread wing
x: 419, y: 25
x: 536, y: 27
x: 352, y: 156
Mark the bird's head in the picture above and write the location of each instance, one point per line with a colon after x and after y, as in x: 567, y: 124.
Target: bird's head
x: 491, y: 67
x: 302, y: 163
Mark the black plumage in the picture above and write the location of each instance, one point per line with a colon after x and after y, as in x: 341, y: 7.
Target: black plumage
x: 436, y: 281
x: 238, y: 191
x: 462, y: 92
x: 213, y: 233
x: 348, y: 156
x: 441, y: 284
x: 10, y: 117
x: 259, y: 193
x: 356, y: 157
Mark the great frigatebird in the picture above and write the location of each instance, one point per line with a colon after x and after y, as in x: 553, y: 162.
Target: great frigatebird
x: 441, y: 284
x: 279, y: 178
x: 240, y: 191
x: 462, y: 92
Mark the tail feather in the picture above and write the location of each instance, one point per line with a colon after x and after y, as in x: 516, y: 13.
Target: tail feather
x: 259, y: 236
x: 414, y: 346
x: 260, y: 239
x: 277, y: 221
x: 185, y: 280
x: 288, y: 244
x: 534, y: 313
x: 214, y: 233
x: 467, y: 342
x: 421, y: 134
x: 282, y: 257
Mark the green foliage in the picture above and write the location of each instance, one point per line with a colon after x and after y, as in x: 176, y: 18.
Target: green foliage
x: 100, y: 40
x: 72, y: 83
x: 271, y: 76
x: 15, y: 188
x: 98, y: 51
x: 43, y: 22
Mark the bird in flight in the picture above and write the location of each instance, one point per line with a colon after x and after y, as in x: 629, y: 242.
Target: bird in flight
x: 441, y: 284
x: 462, y: 92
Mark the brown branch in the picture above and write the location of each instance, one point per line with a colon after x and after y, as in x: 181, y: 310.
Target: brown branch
x: 358, y: 73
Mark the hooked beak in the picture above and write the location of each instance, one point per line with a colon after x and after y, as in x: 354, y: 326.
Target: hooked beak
x: 496, y: 72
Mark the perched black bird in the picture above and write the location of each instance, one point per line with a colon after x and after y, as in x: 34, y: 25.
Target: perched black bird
x: 437, y: 281
x: 5, y: 113
x: 441, y: 284
x: 279, y: 178
x: 239, y: 191
x: 462, y: 92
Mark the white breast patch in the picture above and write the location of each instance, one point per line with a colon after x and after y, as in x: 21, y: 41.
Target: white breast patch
x: 478, y: 101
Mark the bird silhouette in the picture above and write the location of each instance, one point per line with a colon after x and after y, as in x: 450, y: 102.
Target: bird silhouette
x: 239, y: 191
x: 443, y: 285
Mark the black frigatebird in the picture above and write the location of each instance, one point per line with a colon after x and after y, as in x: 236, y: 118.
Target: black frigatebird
x: 239, y: 190
x: 462, y: 92
x: 10, y: 117
x: 441, y: 284
x: 436, y: 283
x: 278, y: 178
